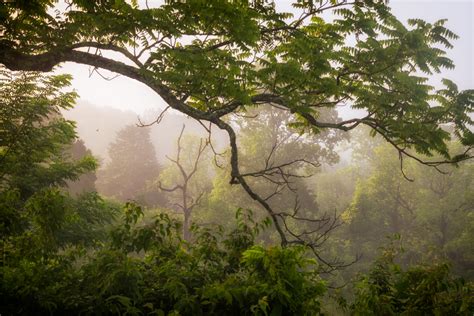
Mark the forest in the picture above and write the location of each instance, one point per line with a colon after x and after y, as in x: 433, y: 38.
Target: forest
x: 305, y: 159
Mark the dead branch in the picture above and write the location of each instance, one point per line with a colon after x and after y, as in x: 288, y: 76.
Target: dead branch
x: 188, y: 202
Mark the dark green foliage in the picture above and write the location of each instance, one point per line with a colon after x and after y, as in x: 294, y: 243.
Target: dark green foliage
x: 42, y: 229
x: 34, y: 135
x: 33, y: 138
x: 146, y: 267
x: 208, y: 60
x: 57, y: 256
x: 419, y: 290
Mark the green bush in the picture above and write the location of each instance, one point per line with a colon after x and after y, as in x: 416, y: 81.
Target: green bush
x: 419, y: 290
x: 145, y: 268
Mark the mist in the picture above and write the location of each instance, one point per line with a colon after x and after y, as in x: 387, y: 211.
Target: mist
x: 237, y: 157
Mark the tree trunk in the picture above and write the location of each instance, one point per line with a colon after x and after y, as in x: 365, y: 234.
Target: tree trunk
x: 186, y: 228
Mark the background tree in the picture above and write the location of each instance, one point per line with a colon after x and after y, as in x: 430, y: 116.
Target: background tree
x: 432, y: 214
x: 86, y: 182
x: 445, y: 209
x: 189, y: 188
x: 421, y: 289
x: 280, y: 163
x: 58, y: 258
x: 132, y: 167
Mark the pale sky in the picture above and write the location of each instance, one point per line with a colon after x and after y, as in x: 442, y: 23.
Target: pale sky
x: 127, y: 94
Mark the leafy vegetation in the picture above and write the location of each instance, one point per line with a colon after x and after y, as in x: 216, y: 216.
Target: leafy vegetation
x: 271, y: 81
x: 432, y: 213
x: 419, y: 290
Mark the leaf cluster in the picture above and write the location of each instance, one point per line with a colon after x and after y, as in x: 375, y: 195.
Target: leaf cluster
x: 428, y: 290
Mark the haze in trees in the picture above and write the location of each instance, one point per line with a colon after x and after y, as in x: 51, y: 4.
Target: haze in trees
x: 34, y: 135
x: 86, y: 182
x: 433, y: 213
x: 38, y: 218
x: 98, y: 124
x: 132, y: 169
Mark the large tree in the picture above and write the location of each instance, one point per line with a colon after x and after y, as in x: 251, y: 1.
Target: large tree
x: 211, y: 59
x: 34, y: 135
x: 280, y: 163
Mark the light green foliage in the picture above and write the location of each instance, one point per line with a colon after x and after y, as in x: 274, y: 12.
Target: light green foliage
x: 433, y: 213
x: 265, y: 129
x: 267, y: 142
x: 333, y: 189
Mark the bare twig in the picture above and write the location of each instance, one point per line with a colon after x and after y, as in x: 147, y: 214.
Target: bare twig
x: 158, y: 119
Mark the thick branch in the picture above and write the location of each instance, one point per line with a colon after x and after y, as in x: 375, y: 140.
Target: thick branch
x: 236, y: 177
x: 111, y: 47
x: 45, y: 62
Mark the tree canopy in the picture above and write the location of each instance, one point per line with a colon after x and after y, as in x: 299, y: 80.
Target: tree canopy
x: 433, y: 213
x: 213, y: 59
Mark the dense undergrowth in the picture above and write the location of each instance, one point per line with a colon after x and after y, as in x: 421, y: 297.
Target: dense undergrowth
x: 145, y: 268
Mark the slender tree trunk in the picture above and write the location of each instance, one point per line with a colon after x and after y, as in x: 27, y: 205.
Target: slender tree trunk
x: 186, y: 211
x: 186, y: 228
x: 443, y: 228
